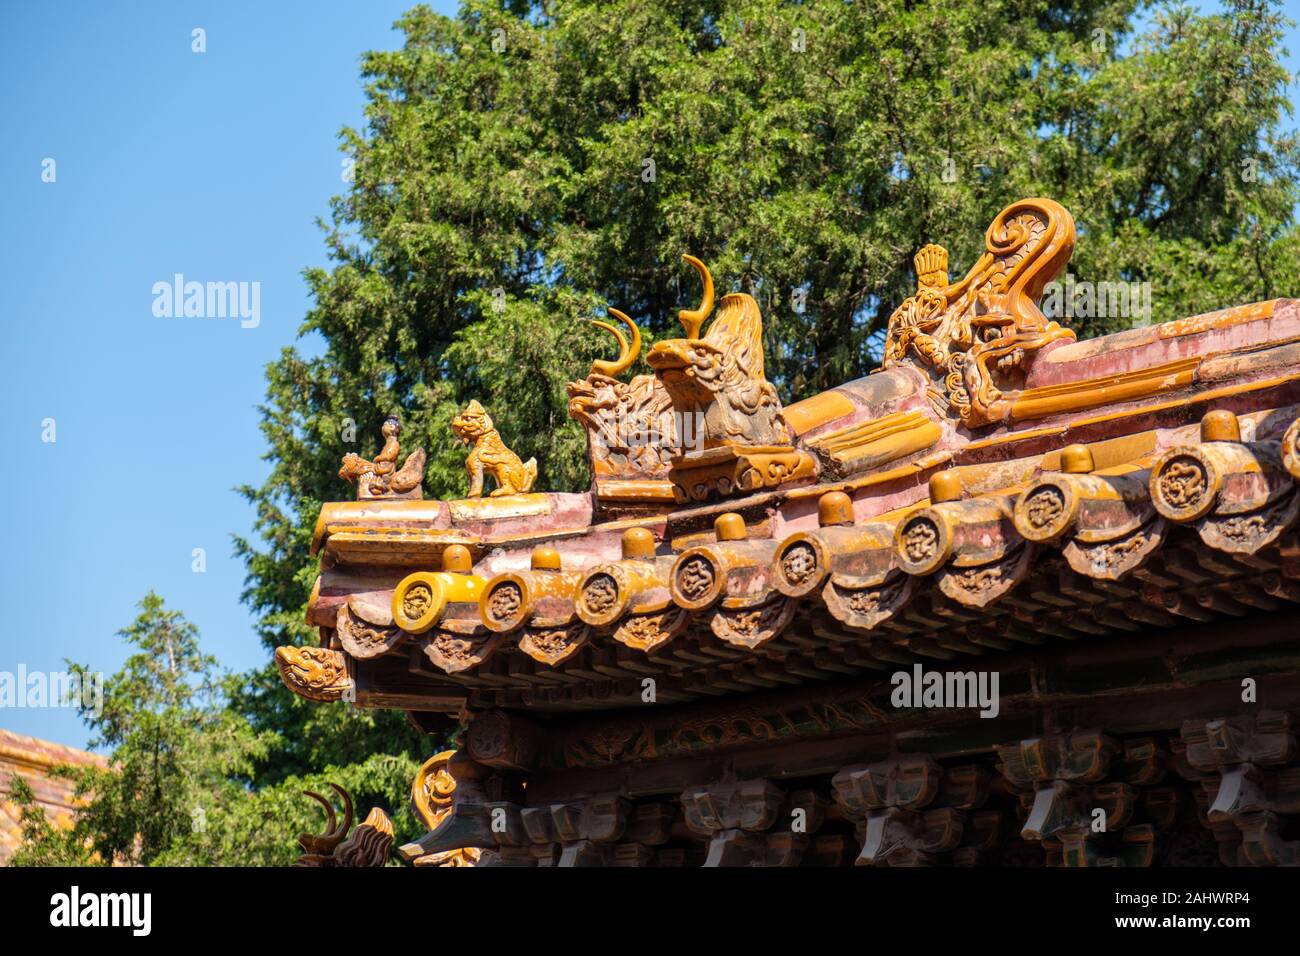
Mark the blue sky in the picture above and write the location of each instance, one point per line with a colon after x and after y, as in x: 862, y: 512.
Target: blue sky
x: 211, y: 165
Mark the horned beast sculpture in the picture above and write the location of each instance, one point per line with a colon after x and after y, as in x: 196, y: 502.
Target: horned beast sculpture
x: 368, y: 845
x: 708, y: 420
x: 721, y: 374
x: 631, y: 431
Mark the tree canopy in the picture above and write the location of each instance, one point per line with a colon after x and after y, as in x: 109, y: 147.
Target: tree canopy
x: 177, y: 789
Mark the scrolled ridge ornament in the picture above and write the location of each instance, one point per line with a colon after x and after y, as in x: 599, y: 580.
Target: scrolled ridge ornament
x: 975, y: 338
x: 631, y: 430
x: 432, y: 793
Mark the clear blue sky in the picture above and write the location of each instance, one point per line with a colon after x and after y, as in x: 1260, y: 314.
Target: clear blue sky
x: 213, y: 165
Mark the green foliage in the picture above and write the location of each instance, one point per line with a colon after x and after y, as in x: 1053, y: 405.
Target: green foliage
x: 176, y: 748
x: 261, y: 828
x: 502, y: 195
x: 43, y: 844
x: 175, y: 791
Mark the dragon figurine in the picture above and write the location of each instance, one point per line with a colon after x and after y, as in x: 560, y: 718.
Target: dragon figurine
x: 381, y: 478
x: 721, y: 375
x: 739, y: 439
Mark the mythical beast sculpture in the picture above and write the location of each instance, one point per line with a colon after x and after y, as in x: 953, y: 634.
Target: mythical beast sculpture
x: 380, y: 477
x: 739, y: 439
x: 367, y: 846
x: 720, y: 376
x: 490, y: 456
x: 631, y: 429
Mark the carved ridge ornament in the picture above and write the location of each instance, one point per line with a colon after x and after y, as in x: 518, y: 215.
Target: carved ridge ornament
x: 489, y: 456
x: 367, y: 846
x: 631, y: 429
x: 432, y: 792
x: 975, y: 338
x: 739, y: 439
x: 314, y: 673
x: 380, y: 477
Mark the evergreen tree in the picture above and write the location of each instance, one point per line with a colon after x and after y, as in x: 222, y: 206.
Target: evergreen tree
x: 176, y: 788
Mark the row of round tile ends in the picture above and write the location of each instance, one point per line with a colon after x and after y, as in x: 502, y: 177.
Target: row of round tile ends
x: 1239, y: 496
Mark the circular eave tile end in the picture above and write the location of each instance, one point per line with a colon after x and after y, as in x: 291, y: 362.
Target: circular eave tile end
x: 697, y: 580
x: 923, y: 542
x: 1184, y: 484
x: 601, y: 598
x: 418, y: 602
x: 505, y: 603
x: 800, y: 566
x: 1046, y: 511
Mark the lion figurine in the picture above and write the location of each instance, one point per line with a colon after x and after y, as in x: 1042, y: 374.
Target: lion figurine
x: 490, y: 456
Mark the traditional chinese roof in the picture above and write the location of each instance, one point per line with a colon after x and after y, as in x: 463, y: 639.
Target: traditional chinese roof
x: 32, y: 760
x: 996, y: 487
